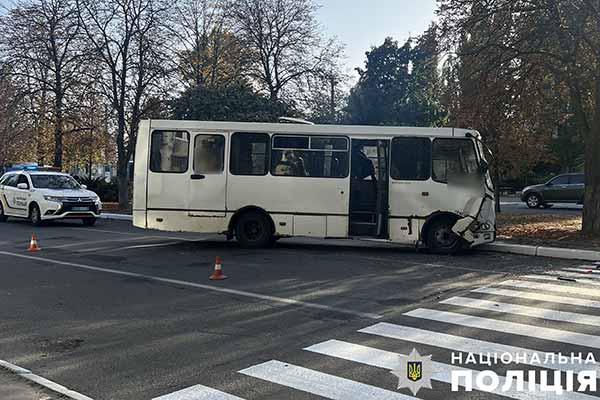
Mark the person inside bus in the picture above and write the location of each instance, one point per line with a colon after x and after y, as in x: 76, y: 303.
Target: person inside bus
x: 291, y: 164
x: 362, y: 166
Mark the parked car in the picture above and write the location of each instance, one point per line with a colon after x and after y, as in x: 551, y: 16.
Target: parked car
x: 43, y: 195
x: 567, y: 188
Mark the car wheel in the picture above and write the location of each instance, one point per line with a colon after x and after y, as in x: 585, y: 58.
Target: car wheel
x: 533, y: 200
x: 441, y: 239
x: 253, y: 230
x: 35, y: 215
x: 3, y: 217
x: 89, y: 221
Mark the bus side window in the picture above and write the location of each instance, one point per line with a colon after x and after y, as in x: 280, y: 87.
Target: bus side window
x: 453, y: 158
x: 249, y: 154
x: 411, y: 159
x: 169, y: 151
x: 209, y: 154
x: 314, y: 156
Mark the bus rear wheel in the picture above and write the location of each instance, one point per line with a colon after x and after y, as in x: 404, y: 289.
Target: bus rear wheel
x: 441, y: 239
x: 253, y: 230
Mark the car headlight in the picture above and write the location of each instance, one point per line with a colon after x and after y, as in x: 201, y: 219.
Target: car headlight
x: 57, y: 199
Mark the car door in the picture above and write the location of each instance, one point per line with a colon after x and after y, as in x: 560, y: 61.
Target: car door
x: 557, y: 189
x: 10, y: 197
x: 576, y: 188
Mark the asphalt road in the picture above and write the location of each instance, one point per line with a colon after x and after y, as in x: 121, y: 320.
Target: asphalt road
x: 115, y: 312
x: 513, y: 205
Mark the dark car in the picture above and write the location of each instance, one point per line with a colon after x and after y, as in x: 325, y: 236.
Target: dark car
x: 568, y: 188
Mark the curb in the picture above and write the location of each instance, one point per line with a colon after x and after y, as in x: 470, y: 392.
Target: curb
x: 542, y: 251
x: 498, y: 247
x: 38, y: 380
x: 117, y: 217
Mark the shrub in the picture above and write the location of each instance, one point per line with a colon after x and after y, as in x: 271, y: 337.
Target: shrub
x: 108, y: 192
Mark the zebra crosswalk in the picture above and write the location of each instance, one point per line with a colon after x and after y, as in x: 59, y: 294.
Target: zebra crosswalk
x: 551, y: 314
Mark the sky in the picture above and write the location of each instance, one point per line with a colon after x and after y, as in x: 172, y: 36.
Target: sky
x: 360, y: 24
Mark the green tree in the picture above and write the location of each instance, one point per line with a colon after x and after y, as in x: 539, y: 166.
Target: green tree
x: 380, y: 96
x: 559, y: 38
x: 236, y: 102
x: 399, y: 85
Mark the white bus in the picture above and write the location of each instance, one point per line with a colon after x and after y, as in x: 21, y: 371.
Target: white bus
x: 259, y: 182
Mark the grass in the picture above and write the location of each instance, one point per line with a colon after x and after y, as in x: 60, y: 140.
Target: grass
x: 545, y: 229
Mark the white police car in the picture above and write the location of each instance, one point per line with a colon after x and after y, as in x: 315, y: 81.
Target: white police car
x: 44, y: 195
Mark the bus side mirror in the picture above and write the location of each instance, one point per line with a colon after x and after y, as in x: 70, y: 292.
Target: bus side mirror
x: 484, y: 167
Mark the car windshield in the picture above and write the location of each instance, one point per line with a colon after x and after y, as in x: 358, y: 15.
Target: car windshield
x: 54, y: 182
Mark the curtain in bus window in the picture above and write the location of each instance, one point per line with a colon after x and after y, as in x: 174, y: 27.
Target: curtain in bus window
x: 249, y: 154
x: 411, y: 159
x: 209, y: 154
x: 453, y: 159
x: 303, y: 156
x: 169, y: 151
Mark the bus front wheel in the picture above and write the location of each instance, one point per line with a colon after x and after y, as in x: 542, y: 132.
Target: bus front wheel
x: 440, y: 238
x: 253, y: 230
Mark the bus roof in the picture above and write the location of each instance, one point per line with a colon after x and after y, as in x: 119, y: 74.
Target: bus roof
x: 342, y: 130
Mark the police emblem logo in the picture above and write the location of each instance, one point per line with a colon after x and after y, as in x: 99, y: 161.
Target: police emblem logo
x: 414, y: 371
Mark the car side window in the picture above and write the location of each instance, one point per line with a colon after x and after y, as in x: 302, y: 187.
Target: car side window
x: 577, y: 179
x: 12, y: 181
x: 23, y: 179
x: 560, y: 180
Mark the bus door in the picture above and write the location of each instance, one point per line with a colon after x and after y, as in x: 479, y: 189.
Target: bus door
x: 186, y: 174
x: 208, y: 179
x: 369, y: 188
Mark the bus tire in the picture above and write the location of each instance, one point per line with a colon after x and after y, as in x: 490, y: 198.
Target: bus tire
x: 439, y: 237
x: 253, y: 230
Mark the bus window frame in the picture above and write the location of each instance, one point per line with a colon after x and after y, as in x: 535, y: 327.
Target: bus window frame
x: 222, y: 171
x: 310, y: 136
x: 476, y: 152
x: 187, y: 165
x: 267, y: 152
x: 430, y: 161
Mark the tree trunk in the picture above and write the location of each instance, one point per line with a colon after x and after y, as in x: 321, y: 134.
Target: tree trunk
x: 497, y: 190
x: 58, y: 127
x: 591, y: 209
x: 122, y: 163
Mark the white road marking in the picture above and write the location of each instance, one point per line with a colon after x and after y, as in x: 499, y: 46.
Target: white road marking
x: 467, y: 345
x: 273, y: 299
x: 534, y: 312
x: 183, y: 239
x: 139, y: 246
x: 513, y: 328
x: 319, y: 383
x: 559, y: 287
x: 441, y: 372
x: 75, y: 244
x: 577, y: 277
x: 198, y: 392
x: 585, y: 269
x: 48, y: 384
x: 539, y: 296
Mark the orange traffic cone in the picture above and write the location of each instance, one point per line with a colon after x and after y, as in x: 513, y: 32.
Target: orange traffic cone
x: 217, y: 274
x: 33, y: 246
